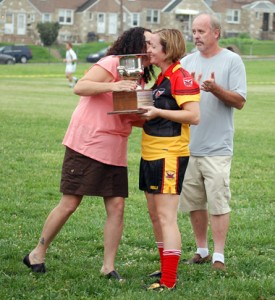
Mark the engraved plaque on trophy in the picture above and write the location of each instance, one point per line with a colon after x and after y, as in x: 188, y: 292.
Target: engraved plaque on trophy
x: 125, y: 102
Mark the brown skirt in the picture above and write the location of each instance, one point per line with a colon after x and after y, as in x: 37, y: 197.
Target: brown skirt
x: 82, y: 175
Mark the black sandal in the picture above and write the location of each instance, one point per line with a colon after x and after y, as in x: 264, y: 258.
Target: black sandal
x: 114, y: 275
x: 36, y: 268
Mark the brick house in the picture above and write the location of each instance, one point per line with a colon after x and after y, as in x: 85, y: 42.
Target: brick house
x: 108, y: 18
x: 257, y: 18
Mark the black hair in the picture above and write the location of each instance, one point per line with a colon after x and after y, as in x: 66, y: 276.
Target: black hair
x: 132, y: 41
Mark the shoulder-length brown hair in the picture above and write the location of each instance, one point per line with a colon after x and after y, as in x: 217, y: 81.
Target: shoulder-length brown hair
x: 173, y: 44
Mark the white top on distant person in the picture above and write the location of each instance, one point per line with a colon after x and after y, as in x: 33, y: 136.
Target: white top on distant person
x: 70, y: 60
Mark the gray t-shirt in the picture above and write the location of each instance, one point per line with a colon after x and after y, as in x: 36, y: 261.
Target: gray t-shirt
x: 214, y: 134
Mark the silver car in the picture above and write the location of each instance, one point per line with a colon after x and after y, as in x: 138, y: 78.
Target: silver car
x: 7, y: 59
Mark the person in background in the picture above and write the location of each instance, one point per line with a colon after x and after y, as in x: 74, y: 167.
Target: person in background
x: 222, y: 77
x: 91, y: 166
x: 70, y: 60
x: 165, y: 151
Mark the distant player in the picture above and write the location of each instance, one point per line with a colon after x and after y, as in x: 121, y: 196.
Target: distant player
x: 70, y: 60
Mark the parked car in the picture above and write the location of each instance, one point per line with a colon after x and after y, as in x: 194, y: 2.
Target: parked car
x: 94, y: 57
x: 7, y: 59
x: 21, y: 53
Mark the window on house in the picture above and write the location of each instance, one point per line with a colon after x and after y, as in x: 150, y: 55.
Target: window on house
x: 273, y: 23
x: 135, y: 19
x: 233, y: 16
x: 66, y: 37
x: 219, y: 16
x: 31, y: 18
x: 65, y: 16
x: 153, y: 16
x: 100, y: 23
x: 9, y: 18
x: 112, y: 26
x: 265, y: 22
x: 46, y: 18
x: 91, y: 16
x: 9, y: 23
x: 62, y: 37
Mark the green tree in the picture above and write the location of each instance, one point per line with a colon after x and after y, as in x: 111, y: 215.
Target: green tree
x: 48, y: 32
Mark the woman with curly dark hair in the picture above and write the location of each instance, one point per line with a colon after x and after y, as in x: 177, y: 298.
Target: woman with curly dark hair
x: 95, y: 161
x: 125, y: 44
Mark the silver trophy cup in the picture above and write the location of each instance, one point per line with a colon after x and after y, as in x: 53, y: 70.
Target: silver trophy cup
x: 131, y: 68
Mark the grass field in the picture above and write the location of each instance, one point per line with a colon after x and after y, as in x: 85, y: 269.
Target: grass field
x: 36, y: 105
x: 245, y: 47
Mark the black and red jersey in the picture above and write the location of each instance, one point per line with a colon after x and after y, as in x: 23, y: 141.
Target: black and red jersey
x: 161, y: 137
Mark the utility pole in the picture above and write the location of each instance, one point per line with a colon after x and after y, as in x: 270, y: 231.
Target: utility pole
x: 121, y: 29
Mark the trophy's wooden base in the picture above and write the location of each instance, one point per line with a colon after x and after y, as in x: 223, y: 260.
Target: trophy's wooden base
x: 131, y: 102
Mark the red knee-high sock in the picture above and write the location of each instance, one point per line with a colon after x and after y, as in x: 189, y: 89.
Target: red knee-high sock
x: 170, y: 267
x: 160, y: 248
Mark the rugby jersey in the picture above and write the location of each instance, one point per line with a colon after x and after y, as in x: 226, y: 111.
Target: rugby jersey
x: 161, y: 137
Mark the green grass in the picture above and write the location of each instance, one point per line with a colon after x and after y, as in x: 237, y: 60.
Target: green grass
x: 260, y: 71
x: 36, y: 106
x: 251, y: 46
x: 42, y: 54
x: 84, y: 50
x: 245, y: 46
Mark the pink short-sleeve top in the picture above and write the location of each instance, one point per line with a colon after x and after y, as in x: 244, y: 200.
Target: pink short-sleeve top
x: 96, y: 134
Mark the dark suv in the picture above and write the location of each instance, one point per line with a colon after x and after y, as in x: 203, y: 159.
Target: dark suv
x: 21, y: 53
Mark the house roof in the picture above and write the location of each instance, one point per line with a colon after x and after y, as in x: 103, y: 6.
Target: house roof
x: 100, y: 6
x: 223, y: 5
x: 171, y: 5
x: 261, y: 6
x: 51, y: 5
x: 128, y: 5
x: 86, y: 5
x: 139, y: 5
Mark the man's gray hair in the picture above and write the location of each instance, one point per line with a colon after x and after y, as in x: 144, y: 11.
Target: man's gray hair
x: 214, y: 21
